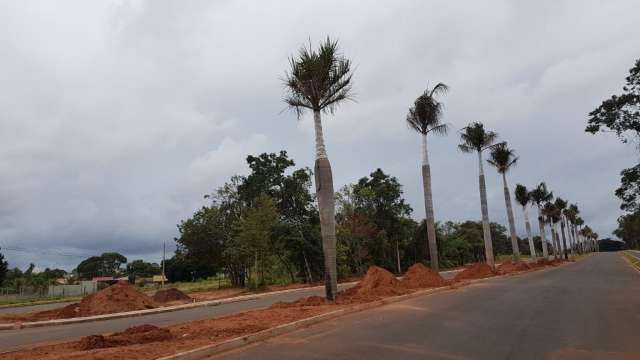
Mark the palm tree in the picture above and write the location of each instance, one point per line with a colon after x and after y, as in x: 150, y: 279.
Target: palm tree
x: 541, y: 195
x: 523, y: 197
x: 424, y: 117
x: 319, y: 80
x: 476, y: 139
x: 503, y: 159
x: 550, y: 211
x: 579, y: 223
x: 570, y: 215
x: 561, y: 206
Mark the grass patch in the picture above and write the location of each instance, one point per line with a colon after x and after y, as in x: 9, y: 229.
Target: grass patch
x: 634, y: 261
x: 40, y: 301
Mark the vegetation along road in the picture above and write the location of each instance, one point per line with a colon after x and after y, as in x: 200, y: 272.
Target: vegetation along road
x: 587, y: 310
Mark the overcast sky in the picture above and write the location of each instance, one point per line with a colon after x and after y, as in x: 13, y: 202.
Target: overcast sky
x: 117, y: 116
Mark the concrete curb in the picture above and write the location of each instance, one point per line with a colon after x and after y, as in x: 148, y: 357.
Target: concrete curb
x: 625, y: 256
x: 232, y: 344
x: 22, y: 325
x: 235, y: 343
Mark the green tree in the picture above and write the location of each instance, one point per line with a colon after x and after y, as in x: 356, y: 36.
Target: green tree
x: 424, y: 117
x: 629, y: 229
x: 503, y: 158
x: 142, y: 268
x: 201, y: 240
x: 319, y: 80
x: 474, y: 138
x: 4, y: 268
x: 523, y: 197
x: 620, y: 113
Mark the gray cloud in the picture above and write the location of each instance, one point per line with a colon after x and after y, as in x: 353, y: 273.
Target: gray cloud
x: 116, y: 117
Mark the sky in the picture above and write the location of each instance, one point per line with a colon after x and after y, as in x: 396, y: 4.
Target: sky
x: 116, y: 117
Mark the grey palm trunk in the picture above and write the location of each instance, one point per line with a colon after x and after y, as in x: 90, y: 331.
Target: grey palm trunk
x: 564, y: 240
x: 527, y: 225
x: 428, y: 206
x: 486, y: 229
x: 512, y: 222
x: 326, y: 208
x: 543, y: 237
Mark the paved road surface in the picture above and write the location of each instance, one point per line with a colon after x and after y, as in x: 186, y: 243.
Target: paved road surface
x: 587, y: 310
x: 13, y: 339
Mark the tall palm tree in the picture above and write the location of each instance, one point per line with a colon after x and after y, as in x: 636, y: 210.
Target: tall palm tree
x: 476, y: 139
x: 579, y: 223
x: 570, y: 215
x: 550, y: 211
x: 523, y: 197
x: 319, y: 80
x: 424, y: 117
x: 561, y: 206
x: 540, y: 195
x: 503, y: 159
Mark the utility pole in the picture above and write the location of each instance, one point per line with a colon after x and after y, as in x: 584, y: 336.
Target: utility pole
x: 163, y: 261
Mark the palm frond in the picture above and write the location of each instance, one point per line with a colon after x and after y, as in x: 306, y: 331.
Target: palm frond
x: 425, y: 114
x: 523, y: 197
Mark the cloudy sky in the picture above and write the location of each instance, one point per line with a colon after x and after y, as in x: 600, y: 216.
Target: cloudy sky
x: 117, y: 116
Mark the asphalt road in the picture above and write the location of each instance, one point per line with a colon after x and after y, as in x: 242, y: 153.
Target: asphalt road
x: 587, y: 310
x: 14, y: 339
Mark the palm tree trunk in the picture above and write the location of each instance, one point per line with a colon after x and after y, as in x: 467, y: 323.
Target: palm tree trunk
x: 326, y: 208
x: 428, y: 206
x: 564, y: 240
x: 398, y: 257
x: 543, y: 237
x: 527, y: 225
x: 488, y: 245
x: 512, y: 223
x: 557, y: 240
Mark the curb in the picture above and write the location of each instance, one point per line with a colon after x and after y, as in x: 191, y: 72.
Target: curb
x: 136, y: 313
x: 235, y: 343
x: 231, y: 344
x: 626, y: 256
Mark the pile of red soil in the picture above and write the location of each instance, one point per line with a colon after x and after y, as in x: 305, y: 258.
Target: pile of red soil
x: 420, y: 276
x: 376, y: 283
x: 119, y: 297
x: 142, y: 334
x: 169, y: 295
x: 511, y: 267
x: 476, y: 271
x: 307, y: 301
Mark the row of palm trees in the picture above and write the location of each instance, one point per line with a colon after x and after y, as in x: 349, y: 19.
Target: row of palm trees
x: 319, y: 80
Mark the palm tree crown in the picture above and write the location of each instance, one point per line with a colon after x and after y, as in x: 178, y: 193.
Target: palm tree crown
x: 541, y: 195
x: 424, y: 116
x: 523, y: 197
x: 502, y: 158
x: 476, y: 138
x: 318, y: 79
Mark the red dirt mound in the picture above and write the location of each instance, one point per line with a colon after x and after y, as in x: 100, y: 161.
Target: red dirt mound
x: 376, y: 283
x: 171, y: 294
x: 142, y: 334
x: 420, y: 276
x: 511, y: 267
x: 119, y: 297
x: 307, y: 301
x: 476, y: 271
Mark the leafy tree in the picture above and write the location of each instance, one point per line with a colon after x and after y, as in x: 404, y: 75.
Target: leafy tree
x: 319, y: 80
x: 4, y: 268
x: 201, y: 240
x: 628, y: 229
x: 142, y: 268
x: 424, y: 118
x: 620, y: 113
x: 523, y: 197
x: 107, y: 264
x: 475, y: 138
x: 629, y: 190
x: 503, y: 159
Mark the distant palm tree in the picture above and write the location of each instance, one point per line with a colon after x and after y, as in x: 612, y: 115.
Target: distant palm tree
x: 476, y: 139
x: 579, y: 223
x: 561, y: 206
x: 319, y: 80
x: 523, y: 197
x: 503, y: 159
x: 424, y: 117
x: 540, y: 195
x: 570, y: 215
x: 550, y: 212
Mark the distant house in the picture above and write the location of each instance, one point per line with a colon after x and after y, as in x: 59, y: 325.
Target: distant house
x: 61, y: 281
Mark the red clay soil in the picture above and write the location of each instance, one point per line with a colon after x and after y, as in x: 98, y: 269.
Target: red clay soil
x: 476, y: 271
x: 420, y: 276
x: 513, y: 267
x: 136, y: 344
x: 170, y: 295
x: 119, y: 297
x: 142, y: 334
